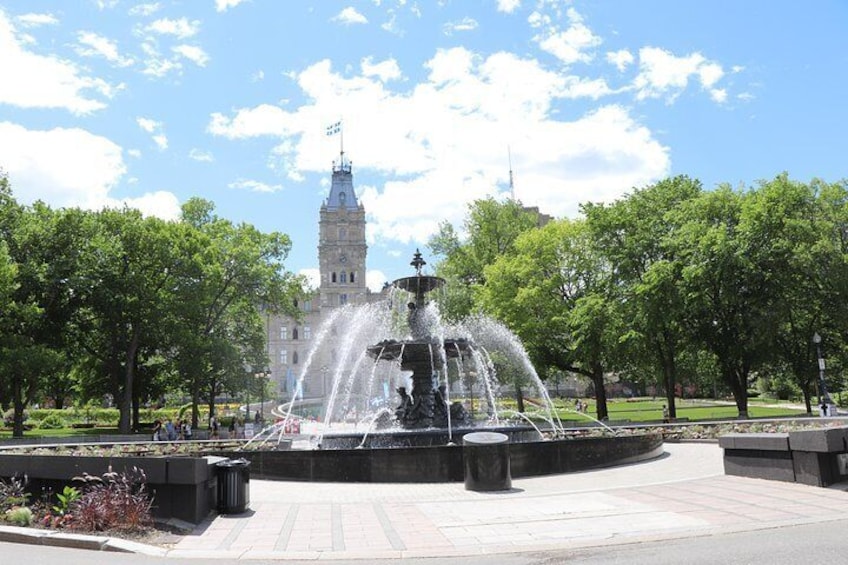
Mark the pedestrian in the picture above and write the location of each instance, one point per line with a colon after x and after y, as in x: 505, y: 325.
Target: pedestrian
x: 170, y: 430
x: 186, y: 429
x: 157, y: 430
x: 213, y: 427
x: 665, y: 414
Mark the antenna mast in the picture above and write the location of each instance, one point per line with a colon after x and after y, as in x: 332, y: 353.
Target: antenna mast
x: 511, y: 184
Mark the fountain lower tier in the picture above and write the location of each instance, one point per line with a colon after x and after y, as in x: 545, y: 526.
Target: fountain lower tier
x: 426, y: 405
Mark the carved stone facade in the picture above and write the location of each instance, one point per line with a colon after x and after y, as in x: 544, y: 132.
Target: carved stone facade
x: 342, y: 254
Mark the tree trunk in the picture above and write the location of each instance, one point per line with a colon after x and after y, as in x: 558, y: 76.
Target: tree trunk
x: 600, y: 392
x: 127, y: 397
x: 519, y: 398
x: 18, y: 403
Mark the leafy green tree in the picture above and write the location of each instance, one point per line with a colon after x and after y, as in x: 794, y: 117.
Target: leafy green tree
x: 637, y: 236
x: 552, y: 291
x: 491, y: 228
x: 239, y: 277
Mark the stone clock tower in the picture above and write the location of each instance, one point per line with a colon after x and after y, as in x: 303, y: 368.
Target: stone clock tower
x: 341, y: 242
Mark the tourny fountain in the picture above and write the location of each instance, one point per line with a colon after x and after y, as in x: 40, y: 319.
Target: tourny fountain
x: 368, y: 434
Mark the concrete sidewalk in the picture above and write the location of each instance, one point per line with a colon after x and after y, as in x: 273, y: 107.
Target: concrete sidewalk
x: 682, y: 494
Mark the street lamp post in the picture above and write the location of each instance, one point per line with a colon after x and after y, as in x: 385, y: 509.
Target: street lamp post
x: 824, y: 397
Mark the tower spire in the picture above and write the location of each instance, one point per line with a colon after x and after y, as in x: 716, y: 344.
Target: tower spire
x: 511, y: 184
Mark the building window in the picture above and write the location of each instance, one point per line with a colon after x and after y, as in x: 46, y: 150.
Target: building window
x: 342, y: 299
x: 295, y: 302
x: 352, y: 277
x: 284, y: 332
x: 294, y: 333
x: 342, y: 198
x: 307, y: 332
x: 343, y: 277
x: 284, y: 357
x: 307, y: 306
x: 333, y: 277
x: 294, y: 358
x: 342, y: 234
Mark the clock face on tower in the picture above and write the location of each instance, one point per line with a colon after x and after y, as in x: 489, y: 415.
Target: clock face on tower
x: 342, y: 259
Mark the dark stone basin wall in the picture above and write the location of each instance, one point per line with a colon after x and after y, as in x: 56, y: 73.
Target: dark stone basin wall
x: 444, y: 463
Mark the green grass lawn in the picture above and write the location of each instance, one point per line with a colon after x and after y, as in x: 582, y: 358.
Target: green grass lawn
x: 61, y: 432
x: 651, y: 410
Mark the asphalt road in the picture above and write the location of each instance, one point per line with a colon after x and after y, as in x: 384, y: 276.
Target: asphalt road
x: 825, y: 542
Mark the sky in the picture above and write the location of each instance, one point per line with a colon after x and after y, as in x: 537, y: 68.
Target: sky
x: 147, y: 104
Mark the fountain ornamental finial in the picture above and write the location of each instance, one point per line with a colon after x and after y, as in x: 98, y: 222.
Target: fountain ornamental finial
x: 418, y: 262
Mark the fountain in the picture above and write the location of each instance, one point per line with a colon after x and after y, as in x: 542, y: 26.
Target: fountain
x: 367, y: 434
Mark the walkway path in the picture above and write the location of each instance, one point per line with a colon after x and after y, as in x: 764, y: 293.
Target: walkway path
x: 683, y: 494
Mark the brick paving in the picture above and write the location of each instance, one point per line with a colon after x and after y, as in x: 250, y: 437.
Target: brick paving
x: 684, y: 493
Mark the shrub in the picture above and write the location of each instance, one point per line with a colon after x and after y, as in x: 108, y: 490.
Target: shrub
x: 113, y: 502
x: 13, y: 493
x: 19, y: 516
x: 9, y: 417
x: 52, y: 422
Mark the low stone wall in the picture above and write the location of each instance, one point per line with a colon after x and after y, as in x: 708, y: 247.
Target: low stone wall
x: 817, y: 457
x: 182, y: 487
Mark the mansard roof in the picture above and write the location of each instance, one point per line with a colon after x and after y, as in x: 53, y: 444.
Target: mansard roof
x: 342, y: 194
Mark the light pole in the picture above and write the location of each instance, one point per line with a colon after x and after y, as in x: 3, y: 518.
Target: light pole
x: 824, y: 397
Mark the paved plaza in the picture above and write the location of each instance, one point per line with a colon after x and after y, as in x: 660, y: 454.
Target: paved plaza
x: 682, y: 494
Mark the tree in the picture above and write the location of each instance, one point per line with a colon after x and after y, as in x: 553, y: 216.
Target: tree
x: 491, y: 228
x: 637, y: 235
x: 552, y: 291
x: 238, y: 276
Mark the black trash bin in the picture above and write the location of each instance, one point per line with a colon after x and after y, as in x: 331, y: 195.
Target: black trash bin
x: 233, y: 485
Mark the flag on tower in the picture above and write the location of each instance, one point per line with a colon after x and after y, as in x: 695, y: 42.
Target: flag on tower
x: 335, y: 128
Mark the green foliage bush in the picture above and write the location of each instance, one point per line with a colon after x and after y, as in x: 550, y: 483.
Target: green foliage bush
x: 19, y: 516
x: 51, y: 422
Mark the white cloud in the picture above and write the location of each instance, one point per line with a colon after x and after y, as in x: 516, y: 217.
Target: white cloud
x: 145, y: 9
x: 200, y: 155
x: 621, y: 58
x: 156, y: 130
x: 508, y: 6
x: 66, y: 167
x: 443, y: 142
x: 664, y: 75
x: 181, y: 28
x: 313, y: 277
x: 718, y: 95
x: 571, y: 45
x: 255, y: 186
x: 36, y: 20
x: 45, y: 82
x: 374, y: 280
x: 193, y: 53
x: 386, y: 70
x: 161, y: 204
x: 94, y: 45
x: 224, y: 5
x: 465, y: 24
x: 350, y: 16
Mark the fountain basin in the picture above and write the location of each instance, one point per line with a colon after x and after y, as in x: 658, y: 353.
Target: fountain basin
x: 444, y: 463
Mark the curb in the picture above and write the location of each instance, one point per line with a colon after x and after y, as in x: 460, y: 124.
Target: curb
x: 16, y: 534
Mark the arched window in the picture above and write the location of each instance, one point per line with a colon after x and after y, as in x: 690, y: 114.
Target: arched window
x: 295, y: 302
x: 334, y: 277
x: 294, y: 358
x: 342, y: 299
x: 342, y: 198
x: 352, y: 278
x: 343, y: 277
x: 294, y: 333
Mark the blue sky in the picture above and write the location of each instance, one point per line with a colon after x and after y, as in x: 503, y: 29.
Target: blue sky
x: 106, y: 102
